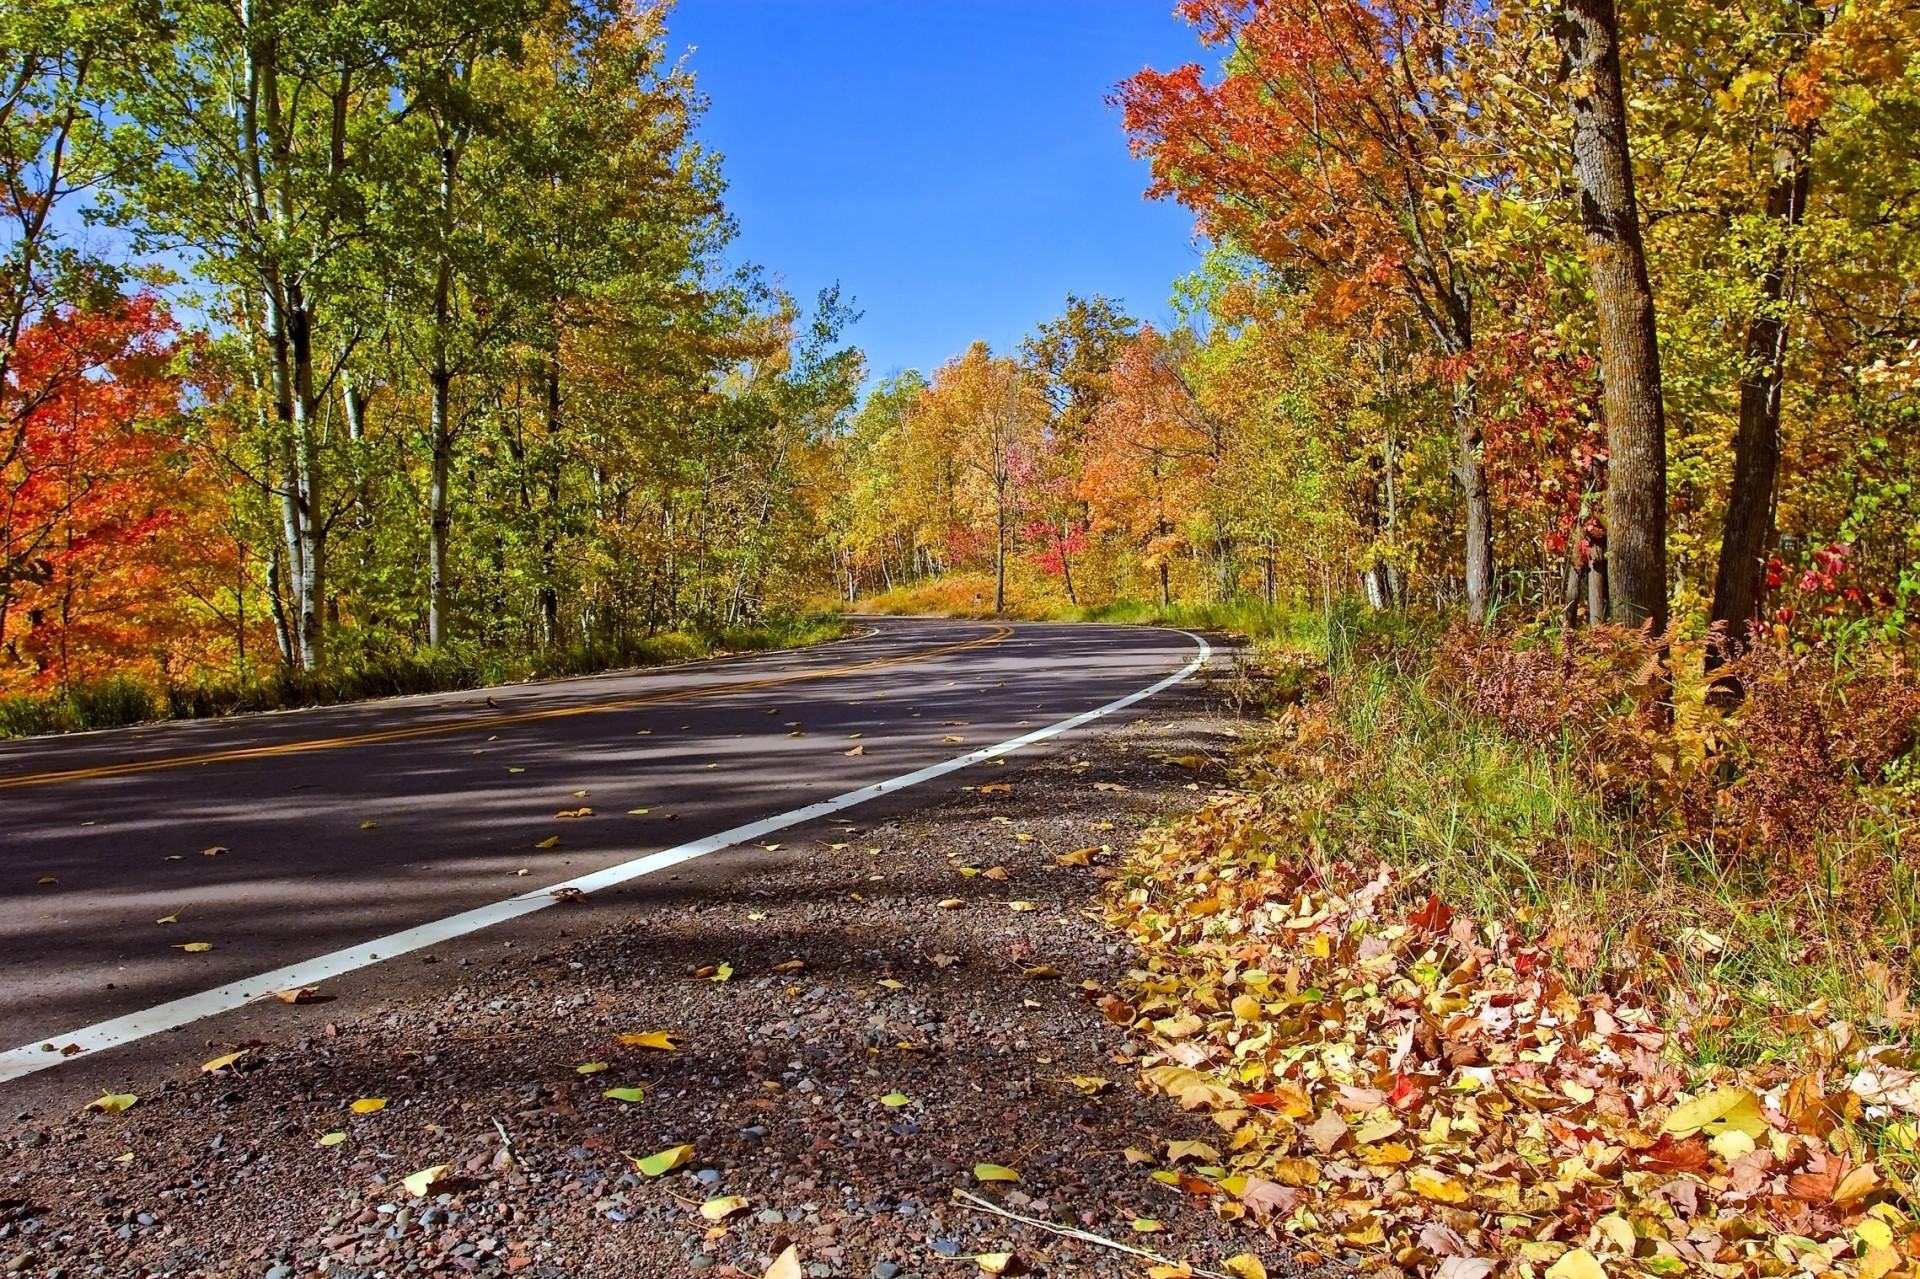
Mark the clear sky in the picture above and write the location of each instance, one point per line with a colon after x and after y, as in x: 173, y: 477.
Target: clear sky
x: 952, y: 163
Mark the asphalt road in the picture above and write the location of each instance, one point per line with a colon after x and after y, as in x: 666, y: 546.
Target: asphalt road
x: 280, y: 837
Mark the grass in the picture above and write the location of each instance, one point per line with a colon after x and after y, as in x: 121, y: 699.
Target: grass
x: 1271, y: 631
x: 115, y: 702
x: 1385, y: 767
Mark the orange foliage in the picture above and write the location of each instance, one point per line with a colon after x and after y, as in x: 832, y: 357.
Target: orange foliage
x: 107, y: 534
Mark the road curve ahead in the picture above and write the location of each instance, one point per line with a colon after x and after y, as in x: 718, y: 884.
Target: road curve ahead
x: 281, y: 838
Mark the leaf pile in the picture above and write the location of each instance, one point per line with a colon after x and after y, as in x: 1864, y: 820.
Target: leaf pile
x: 1390, y: 1077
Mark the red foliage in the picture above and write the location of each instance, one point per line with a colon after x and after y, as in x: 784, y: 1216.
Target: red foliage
x: 100, y: 517
x: 1766, y: 779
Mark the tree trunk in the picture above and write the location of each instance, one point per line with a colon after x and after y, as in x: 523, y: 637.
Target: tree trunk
x: 439, y: 504
x: 1740, y: 583
x: 1469, y: 469
x: 1629, y: 345
x: 1066, y: 568
x: 1000, y: 559
x: 310, y: 585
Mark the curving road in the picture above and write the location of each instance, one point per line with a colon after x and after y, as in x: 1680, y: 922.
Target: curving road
x: 360, y: 832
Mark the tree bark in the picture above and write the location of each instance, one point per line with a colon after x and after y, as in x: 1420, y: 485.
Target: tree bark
x: 1471, y: 473
x: 1740, y: 582
x: 1629, y: 345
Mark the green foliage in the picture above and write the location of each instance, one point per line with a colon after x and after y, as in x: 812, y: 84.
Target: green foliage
x: 115, y: 702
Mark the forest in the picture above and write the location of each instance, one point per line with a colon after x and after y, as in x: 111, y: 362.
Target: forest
x: 360, y: 347
x: 346, y: 343
x: 1617, y: 324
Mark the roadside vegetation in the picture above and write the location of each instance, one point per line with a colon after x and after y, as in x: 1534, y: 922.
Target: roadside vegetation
x: 114, y: 702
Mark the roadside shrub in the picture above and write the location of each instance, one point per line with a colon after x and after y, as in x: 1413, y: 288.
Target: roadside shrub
x: 1797, y: 759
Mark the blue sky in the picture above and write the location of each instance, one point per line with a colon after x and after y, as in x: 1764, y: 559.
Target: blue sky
x: 951, y: 163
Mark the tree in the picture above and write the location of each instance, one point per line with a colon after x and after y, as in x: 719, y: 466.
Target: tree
x: 1074, y: 356
x: 109, y: 537
x: 1151, y: 451
x: 1331, y: 147
x: 1629, y: 343
x: 984, y: 412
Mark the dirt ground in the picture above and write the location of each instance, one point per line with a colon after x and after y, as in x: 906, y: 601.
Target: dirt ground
x: 888, y: 1023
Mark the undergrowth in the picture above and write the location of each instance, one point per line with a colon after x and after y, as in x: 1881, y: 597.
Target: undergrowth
x: 1539, y: 955
x: 113, y: 703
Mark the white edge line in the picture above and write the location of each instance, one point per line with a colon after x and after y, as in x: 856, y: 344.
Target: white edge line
x: 46, y: 1052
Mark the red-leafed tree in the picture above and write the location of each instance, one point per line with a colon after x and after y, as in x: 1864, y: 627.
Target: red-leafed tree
x: 1329, y: 145
x: 105, y: 531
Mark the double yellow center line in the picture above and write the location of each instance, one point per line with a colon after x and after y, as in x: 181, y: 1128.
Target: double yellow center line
x: 492, y: 721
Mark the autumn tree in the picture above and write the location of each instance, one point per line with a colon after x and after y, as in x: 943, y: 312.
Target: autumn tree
x: 985, y: 412
x: 1331, y: 145
x: 1074, y: 355
x: 1629, y: 345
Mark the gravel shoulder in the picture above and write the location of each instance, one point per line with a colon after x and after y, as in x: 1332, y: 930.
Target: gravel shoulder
x: 864, y: 966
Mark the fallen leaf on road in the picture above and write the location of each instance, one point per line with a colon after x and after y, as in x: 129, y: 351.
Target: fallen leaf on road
x: 215, y: 851
x: 719, y: 1209
x: 112, y: 1103
x: 511, y: 769
x: 169, y: 919
x: 658, y: 1165
x: 638, y: 812
x: 1147, y: 1226
x: 421, y: 1184
x: 367, y: 1105
x: 995, y: 872
x: 791, y: 966
x: 1078, y: 857
x: 1040, y: 972
x: 996, y: 788
x: 994, y: 1263
x: 1245, y: 1266
x: 858, y: 750
x: 1197, y: 1150
x: 48, y: 879
x: 590, y: 1068
x: 551, y: 841
x: 1022, y: 907
x: 723, y: 973
x: 891, y: 984
x: 896, y: 1100
x: 994, y: 1172
x: 953, y: 739
x: 580, y: 794
x: 1092, y: 1086
x: 951, y: 903
x: 194, y: 947
x: 657, y: 1039
x: 1135, y: 1155
x: 369, y: 825
x: 786, y: 1266
x: 298, y: 994
x: 1115, y: 787
x: 221, y: 1063
x: 629, y: 1095
x: 574, y: 812
x: 331, y: 1139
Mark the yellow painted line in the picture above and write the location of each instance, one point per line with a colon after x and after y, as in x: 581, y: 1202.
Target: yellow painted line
x: 492, y: 721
